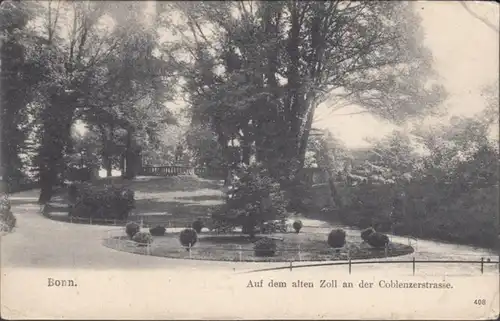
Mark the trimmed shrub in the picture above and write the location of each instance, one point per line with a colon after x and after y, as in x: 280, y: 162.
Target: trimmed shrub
x: 143, y: 238
x: 297, y: 225
x: 366, y: 233
x: 188, y: 237
x: 107, y: 202
x: 377, y: 239
x: 265, y: 247
x: 197, y: 225
x: 157, y: 230
x: 7, y: 218
x: 257, y: 197
x: 336, y: 238
x: 132, y: 228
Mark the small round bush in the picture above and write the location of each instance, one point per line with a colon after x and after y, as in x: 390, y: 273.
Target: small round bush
x: 366, y: 233
x: 336, y: 238
x: 132, y: 228
x: 197, y: 225
x: 157, y: 230
x: 188, y: 237
x: 297, y: 225
x: 143, y: 238
x: 265, y: 247
x: 7, y: 218
x: 377, y: 240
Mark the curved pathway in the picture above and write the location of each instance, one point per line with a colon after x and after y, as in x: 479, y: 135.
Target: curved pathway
x: 43, y: 243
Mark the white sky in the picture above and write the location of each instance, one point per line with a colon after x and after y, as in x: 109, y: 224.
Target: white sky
x: 466, y: 57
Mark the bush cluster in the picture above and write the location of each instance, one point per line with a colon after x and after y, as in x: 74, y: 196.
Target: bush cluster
x: 377, y: 239
x: 157, y: 230
x: 265, y: 247
x: 106, y: 202
x: 427, y: 212
x: 188, y: 237
x: 336, y: 238
x: 278, y: 226
x: 132, y: 228
x: 143, y: 238
x: 7, y: 218
x: 365, y: 234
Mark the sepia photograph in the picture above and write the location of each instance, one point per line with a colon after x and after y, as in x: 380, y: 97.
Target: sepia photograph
x: 250, y: 160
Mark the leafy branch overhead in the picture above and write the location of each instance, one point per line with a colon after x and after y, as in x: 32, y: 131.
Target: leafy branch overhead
x: 258, y: 70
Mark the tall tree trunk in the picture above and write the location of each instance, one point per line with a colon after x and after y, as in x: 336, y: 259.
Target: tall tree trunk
x: 57, y: 120
x: 108, y: 164
x: 132, y: 156
x: 333, y: 189
x: 129, y: 156
x: 13, y: 97
x: 107, y: 141
x: 122, y: 164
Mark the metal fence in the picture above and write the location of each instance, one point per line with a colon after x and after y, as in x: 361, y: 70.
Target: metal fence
x: 349, y: 263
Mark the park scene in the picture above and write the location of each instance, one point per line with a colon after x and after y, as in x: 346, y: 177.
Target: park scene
x: 236, y: 132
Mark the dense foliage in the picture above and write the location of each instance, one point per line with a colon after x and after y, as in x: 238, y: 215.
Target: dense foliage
x: 265, y: 247
x: 256, y: 199
x: 142, y: 238
x: 259, y: 70
x: 448, y: 191
x: 105, y: 202
x: 157, y: 230
x: 7, y: 218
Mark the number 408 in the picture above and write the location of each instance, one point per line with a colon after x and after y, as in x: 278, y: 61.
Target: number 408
x: 480, y: 301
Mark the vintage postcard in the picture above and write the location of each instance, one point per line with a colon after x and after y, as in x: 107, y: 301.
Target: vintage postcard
x: 294, y: 160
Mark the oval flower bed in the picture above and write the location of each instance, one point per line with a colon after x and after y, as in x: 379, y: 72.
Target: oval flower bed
x: 238, y: 247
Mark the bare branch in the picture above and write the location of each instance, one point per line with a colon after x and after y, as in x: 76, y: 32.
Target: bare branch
x: 475, y: 15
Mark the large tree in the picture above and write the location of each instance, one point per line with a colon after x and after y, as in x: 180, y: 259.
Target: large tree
x: 260, y: 69
x: 93, y: 61
x: 15, y: 85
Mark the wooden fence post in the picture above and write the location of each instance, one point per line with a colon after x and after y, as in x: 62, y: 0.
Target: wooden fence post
x: 482, y: 265
x: 349, y: 265
x: 190, y: 250
x: 240, y: 252
x: 413, y: 260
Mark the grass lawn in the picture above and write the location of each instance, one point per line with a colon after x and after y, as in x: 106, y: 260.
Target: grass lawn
x: 238, y: 247
x: 171, y: 201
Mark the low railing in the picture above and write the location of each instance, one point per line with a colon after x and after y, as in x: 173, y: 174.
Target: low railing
x: 174, y: 170
x: 167, y: 170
